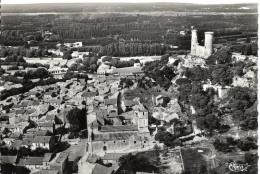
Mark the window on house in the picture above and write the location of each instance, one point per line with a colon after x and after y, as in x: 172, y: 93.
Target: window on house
x: 134, y: 142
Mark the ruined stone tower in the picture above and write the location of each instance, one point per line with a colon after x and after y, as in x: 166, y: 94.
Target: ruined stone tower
x: 198, y: 50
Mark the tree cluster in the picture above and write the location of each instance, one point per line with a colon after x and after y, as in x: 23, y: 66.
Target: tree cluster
x: 88, y: 64
x: 229, y: 144
x: 167, y: 138
x: 116, y: 62
x: 242, y: 104
x: 145, y: 162
x: 133, y: 49
x: 41, y: 73
x: 77, y: 119
x: 160, y: 71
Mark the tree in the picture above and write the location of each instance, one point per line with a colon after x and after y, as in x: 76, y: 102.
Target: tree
x: 240, y: 99
x: 238, y: 67
x: 38, y: 73
x: 107, y: 59
x: 222, y: 56
x: 209, y: 122
x: 2, y: 71
x: 182, y: 81
x: 135, y: 163
x: 126, y: 83
x: 221, y: 74
x: 77, y: 119
x: 197, y: 73
x: 67, y: 55
x: 247, y: 144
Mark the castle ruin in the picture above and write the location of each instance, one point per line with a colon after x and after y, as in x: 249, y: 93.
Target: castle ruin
x: 198, y: 50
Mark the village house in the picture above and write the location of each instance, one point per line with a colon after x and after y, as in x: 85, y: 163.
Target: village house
x: 60, y: 162
x: 112, y: 158
x: 48, y: 171
x: 34, y: 117
x: 8, y: 141
x: 46, y: 126
x: 111, y: 105
x: 74, y: 45
x: 220, y: 90
x: 56, y: 52
x: 46, y: 160
x: 100, y: 169
x: 58, y: 72
x: 77, y: 54
x: 127, y: 104
x: 32, y: 163
x: 10, y: 160
x: 236, y: 57
x: 128, y: 71
x: 113, y: 137
x: 45, y: 142
x: 17, y: 144
x: 247, y: 80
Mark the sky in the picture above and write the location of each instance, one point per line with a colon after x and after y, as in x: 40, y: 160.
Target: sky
x: 131, y: 1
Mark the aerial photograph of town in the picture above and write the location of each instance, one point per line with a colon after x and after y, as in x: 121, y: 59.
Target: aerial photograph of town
x: 128, y: 87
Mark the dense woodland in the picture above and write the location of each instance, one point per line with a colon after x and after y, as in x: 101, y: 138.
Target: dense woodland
x: 122, y: 34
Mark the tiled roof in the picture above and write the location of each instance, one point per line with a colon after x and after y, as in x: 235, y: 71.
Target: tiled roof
x: 130, y: 103
x: 25, y: 103
x: 20, y: 111
x: 45, y: 124
x: 119, y: 128
x: 112, y: 156
x: 50, y: 117
x: 114, y: 136
x: 127, y: 70
x: 62, y: 156
x: 41, y: 133
x: 15, y: 135
x: 17, y: 144
x: 89, y: 94
x: 111, y: 101
x: 102, y: 113
x: 128, y: 115
x: 31, y: 161
x: 30, y: 111
x: 8, y: 159
x: 42, y: 139
x: 100, y: 119
x: 47, y: 157
x: 47, y: 172
x: 100, y: 169
x: 27, y: 141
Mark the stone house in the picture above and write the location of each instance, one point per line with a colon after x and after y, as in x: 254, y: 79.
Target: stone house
x: 45, y: 142
x: 112, y: 158
x: 60, y: 162
x: 47, y: 126
x: 100, y: 169
x: 32, y: 163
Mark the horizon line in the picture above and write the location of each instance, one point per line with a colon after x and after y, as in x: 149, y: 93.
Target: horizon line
x: 109, y: 2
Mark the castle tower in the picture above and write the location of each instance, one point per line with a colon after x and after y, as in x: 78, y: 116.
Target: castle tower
x: 208, y: 43
x: 194, y: 41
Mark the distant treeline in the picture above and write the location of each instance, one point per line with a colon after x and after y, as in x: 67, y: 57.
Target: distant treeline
x: 133, y: 49
x: 127, y: 7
